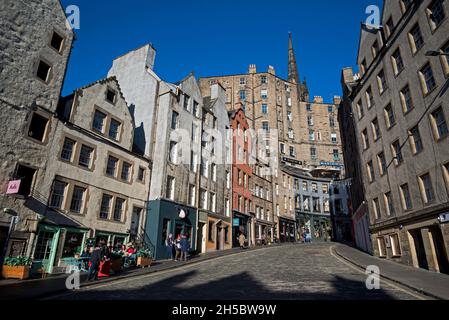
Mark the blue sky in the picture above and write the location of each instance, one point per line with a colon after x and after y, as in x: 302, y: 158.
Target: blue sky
x: 213, y: 37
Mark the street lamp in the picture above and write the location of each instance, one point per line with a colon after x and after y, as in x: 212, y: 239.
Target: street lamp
x: 433, y: 53
x: 14, y: 220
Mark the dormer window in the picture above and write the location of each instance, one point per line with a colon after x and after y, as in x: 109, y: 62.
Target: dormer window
x: 57, y: 42
x: 110, y: 95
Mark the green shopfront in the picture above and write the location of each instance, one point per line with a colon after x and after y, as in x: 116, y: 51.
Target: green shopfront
x: 165, y: 217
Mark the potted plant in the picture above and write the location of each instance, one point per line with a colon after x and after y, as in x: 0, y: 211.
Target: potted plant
x: 16, y: 268
x: 116, y: 261
x: 144, y: 258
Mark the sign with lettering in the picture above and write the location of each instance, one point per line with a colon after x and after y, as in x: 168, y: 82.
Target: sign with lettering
x: 13, y: 187
x: 292, y: 161
x: 330, y: 164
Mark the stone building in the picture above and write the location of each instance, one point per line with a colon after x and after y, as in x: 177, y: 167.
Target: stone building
x: 305, y: 133
x: 95, y: 188
x: 399, y: 102
x: 35, y: 47
x: 341, y: 211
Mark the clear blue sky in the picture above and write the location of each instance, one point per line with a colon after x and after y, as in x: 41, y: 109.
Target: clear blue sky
x: 213, y: 37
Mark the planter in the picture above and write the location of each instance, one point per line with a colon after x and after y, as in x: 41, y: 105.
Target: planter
x: 116, y: 265
x: 144, y: 262
x: 19, y: 272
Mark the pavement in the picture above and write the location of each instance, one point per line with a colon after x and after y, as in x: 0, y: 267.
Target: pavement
x: 432, y: 284
x: 56, y: 284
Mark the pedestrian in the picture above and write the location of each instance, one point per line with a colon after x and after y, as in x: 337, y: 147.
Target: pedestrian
x: 94, y: 260
x: 178, y: 247
x: 242, y: 240
x: 185, y: 247
x: 169, y: 244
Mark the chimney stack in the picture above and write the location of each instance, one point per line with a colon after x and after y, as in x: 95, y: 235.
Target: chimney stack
x: 252, y: 69
x: 337, y: 100
x: 318, y: 99
x: 271, y: 70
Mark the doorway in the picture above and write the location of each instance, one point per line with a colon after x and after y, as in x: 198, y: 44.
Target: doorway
x: 441, y: 258
x: 420, y: 251
x: 201, y: 237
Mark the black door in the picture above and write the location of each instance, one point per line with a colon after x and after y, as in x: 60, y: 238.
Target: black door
x: 441, y: 253
x: 420, y: 251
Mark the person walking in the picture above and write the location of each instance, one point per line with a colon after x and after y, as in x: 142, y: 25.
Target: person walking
x: 242, y: 240
x: 185, y: 247
x: 94, y: 260
x: 178, y: 247
x: 169, y: 244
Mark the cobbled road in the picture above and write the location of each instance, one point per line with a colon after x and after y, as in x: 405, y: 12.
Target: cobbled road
x: 292, y: 272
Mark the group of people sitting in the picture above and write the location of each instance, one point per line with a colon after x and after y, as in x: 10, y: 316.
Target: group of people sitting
x: 177, y: 249
x: 100, y: 258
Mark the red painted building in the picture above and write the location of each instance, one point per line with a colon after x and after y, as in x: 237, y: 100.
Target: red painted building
x: 241, y: 177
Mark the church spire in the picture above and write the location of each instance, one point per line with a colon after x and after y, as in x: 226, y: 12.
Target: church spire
x: 293, y: 74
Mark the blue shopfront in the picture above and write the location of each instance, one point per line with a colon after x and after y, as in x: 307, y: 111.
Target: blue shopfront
x: 165, y: 217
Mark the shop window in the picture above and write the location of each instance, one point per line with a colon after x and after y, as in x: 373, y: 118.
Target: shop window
x: 57, y: 42
x: 72, y: 244
x: 165, y: 230
x: 43, y: 71
x: 26, y: 176
x: 44, y: 243
x: 38, y: 127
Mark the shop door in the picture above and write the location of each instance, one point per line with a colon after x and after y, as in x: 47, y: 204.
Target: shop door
x: 135, y: 221
x: 440, y: 251
x: 219, y: 240
x: 419, y: 248
x: 201, y: 238
x: 45, y: 249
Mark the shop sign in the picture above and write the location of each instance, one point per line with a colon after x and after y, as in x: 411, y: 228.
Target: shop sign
x: 13, y: 187
x: 292, y: 161
x: 331, y: 164
x: 236, y: 222
x: 444, y: 218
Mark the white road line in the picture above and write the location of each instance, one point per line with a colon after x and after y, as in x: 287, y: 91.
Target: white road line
x: 389, y: 283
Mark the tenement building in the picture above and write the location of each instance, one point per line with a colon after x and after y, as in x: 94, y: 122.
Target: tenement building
x: 305, y: 132
x: 400, y: 109
x: 36, y: 45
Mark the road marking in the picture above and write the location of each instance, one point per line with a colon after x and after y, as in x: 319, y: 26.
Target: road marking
x: 388, y: 282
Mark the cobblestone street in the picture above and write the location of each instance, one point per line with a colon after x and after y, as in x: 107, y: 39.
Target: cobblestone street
x: 296, y: 272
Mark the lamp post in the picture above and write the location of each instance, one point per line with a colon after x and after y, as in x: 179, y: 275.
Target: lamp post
x: 433, y: 53
x: 14, y: 220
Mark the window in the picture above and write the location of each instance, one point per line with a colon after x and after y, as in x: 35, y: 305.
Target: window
x: 390, y: 118
x: 425, y: 185
x: 439, y: 124
x: 291, y: 134
x: 313, y: 153
x: 376, y: 209
x: 214, y: 172
x: 192, y: 195
x: 406, y: 5
x: 264, y: 94
x: 389, y: 27
x: 67, y: 149
x: 363, y: 66
x: 196, y: 109
x: 415, y: 140
x: 213, y: 202
x: 85, y: 156
x: 446, y: 175
x: 289, y: 116
x: 263, y: 79
x: 38, y: 127
x: 292, y: 152
x: 265, y: 126
x: 174, y: 120
x: 111, y: 166
x: 99, y: 119
x: 141, y: 174
x: 118, y: 209
x: 382, y: 247
x: 57, y: 194
x: 282, y: 148
x: 309, y: 107
x: 126, y: 170
x: 43, y: 71
x: 406, y: 99
x: 389, y: 204
x: 110, y: 95
x: 325, y: 188
x: 427, y: 79
x: 370, y: 168
x: 405, y: 197
x: 114, y: 129
x: 170, y: 191
x: 369, y: 97
x: 331, y: 121
x: 360, y: 111
x: 264, y: 109
x: 436, y: 13
x: 314, y: 187
x: 57, y: 42
x: 173, y: 152
x: 76, y: 205
x: 445, y: 58
x: 376, y: 129
x: 375, y: 49
x: 330, y: 109
x: 203, y: 199
x: 382, y: 82
x: 398, y: 63
x: 396, y: 150
x: 242, y: 81
x: 105, y: 206
x: 187, y: 102
x: 194, y: 133
x: 395, y: 245
x: 365, y: 139
x: 336, y: 155
x: 416, y: 39
x: 242, y: 95
x: 382, y: 163
x: 310, y: 121
x: 205, y: 168
x: 311, y: 135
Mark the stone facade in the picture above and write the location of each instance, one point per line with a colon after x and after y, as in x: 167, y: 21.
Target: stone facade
x: 399, y: 103
x: 35, y: 46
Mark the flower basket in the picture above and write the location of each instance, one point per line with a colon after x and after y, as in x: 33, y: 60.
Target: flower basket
x: 116, y: 265
x: 16, y: 268
x: 144, y: 262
